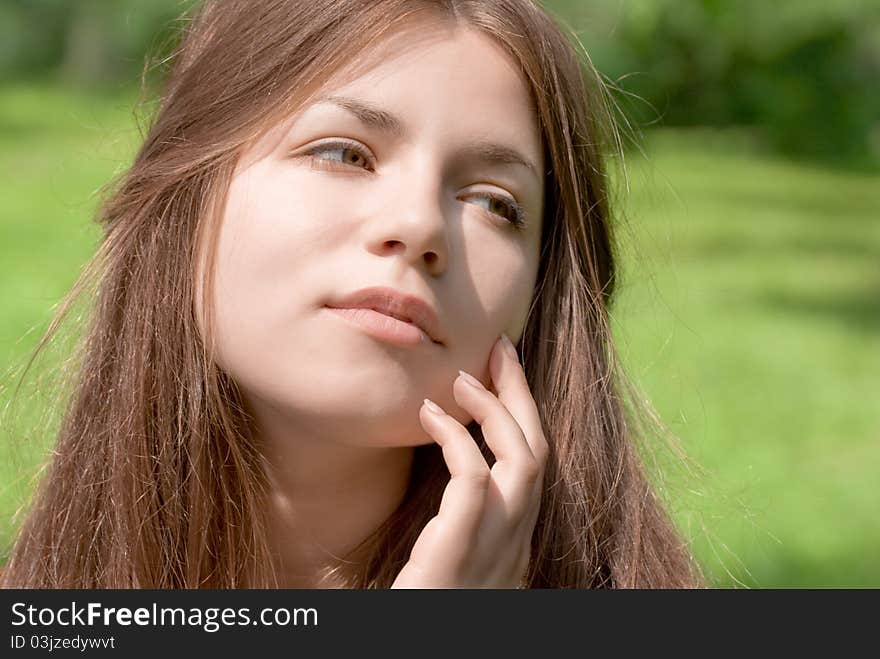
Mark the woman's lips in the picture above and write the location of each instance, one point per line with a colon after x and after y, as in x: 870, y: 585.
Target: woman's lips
x: 382, y: 327
x: 399, y: 304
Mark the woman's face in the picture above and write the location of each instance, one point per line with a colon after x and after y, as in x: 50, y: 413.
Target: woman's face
x: 403, y: 176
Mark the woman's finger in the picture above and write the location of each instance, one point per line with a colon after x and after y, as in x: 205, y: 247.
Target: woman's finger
x: 515, y: 470
x: 461, y: 507
x: 509, y: 381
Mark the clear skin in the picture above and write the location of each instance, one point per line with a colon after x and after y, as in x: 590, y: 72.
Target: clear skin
x: 339, y: 412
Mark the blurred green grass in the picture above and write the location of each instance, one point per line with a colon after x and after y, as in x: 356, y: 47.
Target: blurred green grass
x: 749, y: 313
x: 751, y: 316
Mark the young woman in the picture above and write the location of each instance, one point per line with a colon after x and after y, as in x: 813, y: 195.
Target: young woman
x: 298, y: 372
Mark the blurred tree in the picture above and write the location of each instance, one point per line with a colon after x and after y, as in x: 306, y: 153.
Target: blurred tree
x: 32, y: 35
x: 88, y: 47
x: 805, y: 73
x: 85, y: 42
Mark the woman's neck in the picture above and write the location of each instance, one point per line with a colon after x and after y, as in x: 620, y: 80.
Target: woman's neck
x: 325, y: 499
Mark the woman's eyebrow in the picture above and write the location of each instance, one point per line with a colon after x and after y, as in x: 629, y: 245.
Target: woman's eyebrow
x: 382, y: 120
x: 368, y: 114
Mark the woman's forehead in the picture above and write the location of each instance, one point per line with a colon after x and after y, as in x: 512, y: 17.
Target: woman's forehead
x: 454, y: 75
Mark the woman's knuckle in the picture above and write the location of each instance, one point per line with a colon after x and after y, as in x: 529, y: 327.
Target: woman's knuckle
x: 541, y: 450
x: 529, y: 471
x: 477, y: 478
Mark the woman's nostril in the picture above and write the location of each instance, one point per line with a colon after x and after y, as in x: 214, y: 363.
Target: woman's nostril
x: 400, y: 247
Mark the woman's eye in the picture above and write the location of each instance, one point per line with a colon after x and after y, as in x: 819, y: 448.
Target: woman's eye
x: 507, y: 208
x: 336, y: 154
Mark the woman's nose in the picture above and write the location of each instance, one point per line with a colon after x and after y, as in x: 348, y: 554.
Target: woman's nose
x: 412, y: 223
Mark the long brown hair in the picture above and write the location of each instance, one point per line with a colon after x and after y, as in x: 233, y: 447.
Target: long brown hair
x: 157, y: 480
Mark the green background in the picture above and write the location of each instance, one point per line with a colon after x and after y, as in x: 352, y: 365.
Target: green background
x: 749, y: 308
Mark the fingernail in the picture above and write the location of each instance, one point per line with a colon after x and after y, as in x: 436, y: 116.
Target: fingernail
x: 471, y: 380
x: 509, y: 347
x: 433, y: 407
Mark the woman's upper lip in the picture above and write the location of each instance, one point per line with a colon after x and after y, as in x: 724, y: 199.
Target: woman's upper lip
x: 397, y: 304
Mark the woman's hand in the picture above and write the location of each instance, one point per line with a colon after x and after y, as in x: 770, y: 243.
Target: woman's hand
x: 481, y: 537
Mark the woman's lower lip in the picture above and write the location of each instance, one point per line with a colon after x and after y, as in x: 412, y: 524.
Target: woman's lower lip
x: 383, y: 327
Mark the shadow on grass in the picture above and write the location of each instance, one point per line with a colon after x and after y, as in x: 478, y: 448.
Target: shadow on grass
x: 793, y: 570
x: 736, y: 246
x: 817, y: 207
x: 857, y: 309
